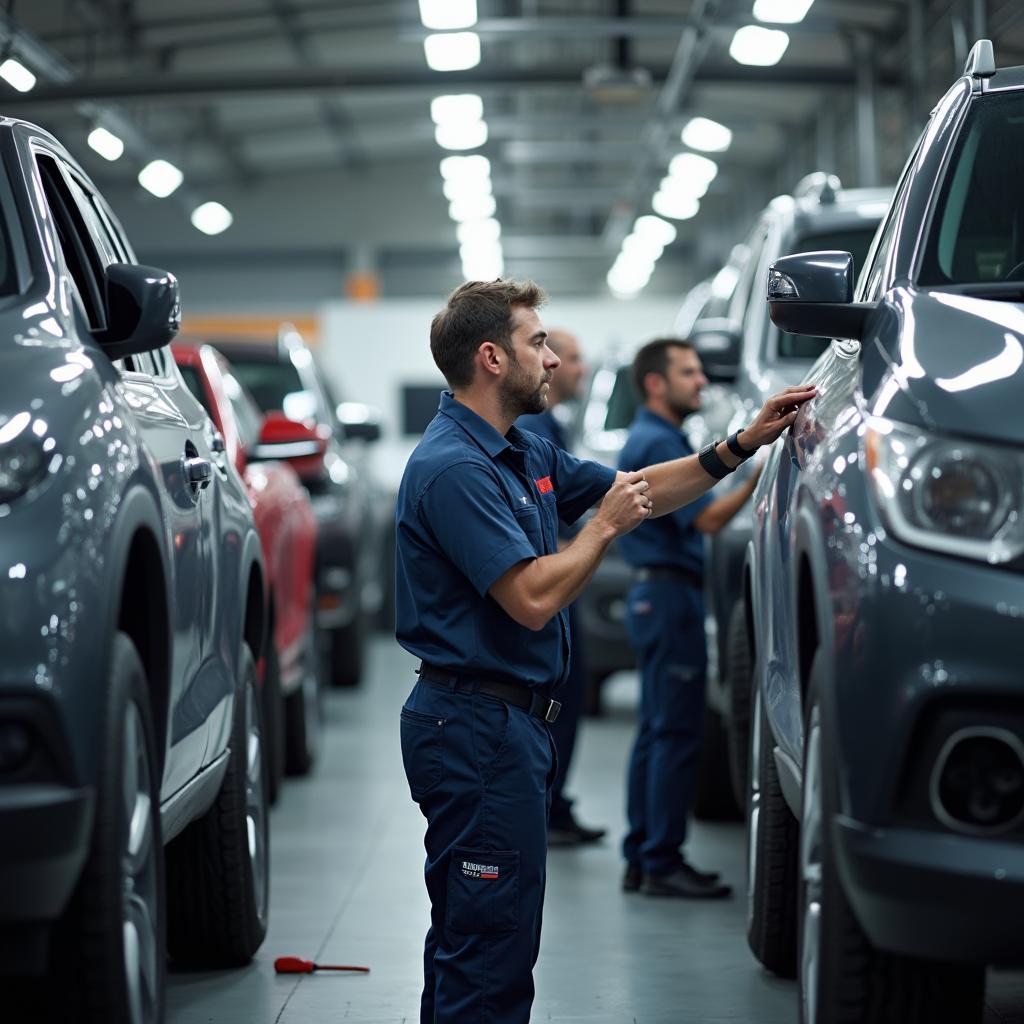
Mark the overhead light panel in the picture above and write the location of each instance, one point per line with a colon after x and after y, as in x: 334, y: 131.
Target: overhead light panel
x: 783, y: 12
x: 463, y: 168
x: 706, y: 135
x: 472, y: 208
x: 483, y: 270
x: 15, y: 73
x: 655, y: 229
x: 677, y: 207
x: 468, y: 135
x: 452, y: 51
x: 211, y: 218
x: 759, y: 47
x: 107, y: 144
x: 689, y: 167
x: 448, y: 14
x: 478, y: 231
x: 161, y: 178
x: 459, y: 108
x: 691, y: 188
x: 460, y: 187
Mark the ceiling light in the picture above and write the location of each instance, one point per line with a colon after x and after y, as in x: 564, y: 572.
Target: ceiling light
x: 654, y: 228
x: 464, y: 168
x: 160, y: 177
x: 707, y: 135
x: 470, y: 135
x: 643, y: 250
x: 474, y: 231
x: 453, y: 51
x: 480, y: 252
x: 689, y: 187
x: 446, y: 14
x: 107, y: 144
x: 483, y: 270
x: 15, y: 73
x: 674, y: 206
x: 787, y: 12
x: 690, y: 167
x: 211, y: 218
x: 462, y: 107
x: 758, y: 46
x: 472, y: 208
x: 466, y: 187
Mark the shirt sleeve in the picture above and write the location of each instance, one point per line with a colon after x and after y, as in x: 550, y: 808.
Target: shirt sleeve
x: 474, y: 527
x: 579, y: 483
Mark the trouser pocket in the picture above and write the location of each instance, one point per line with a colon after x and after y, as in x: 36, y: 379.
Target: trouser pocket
x: 422, y: 751
x: 483, y: 891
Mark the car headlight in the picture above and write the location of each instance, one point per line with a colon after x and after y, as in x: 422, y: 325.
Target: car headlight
x: 23, y: 463
x: 946, y: 493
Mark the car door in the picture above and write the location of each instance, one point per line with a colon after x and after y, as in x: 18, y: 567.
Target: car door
x: 169, y: 438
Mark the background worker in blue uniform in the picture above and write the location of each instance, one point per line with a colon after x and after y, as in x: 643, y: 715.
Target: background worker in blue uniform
x: 566, y: 382
x: 665, y: 620
x: 481, y: 593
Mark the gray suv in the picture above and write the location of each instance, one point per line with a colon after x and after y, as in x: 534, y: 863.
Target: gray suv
x: 886, y: 576
x: 132, y: 599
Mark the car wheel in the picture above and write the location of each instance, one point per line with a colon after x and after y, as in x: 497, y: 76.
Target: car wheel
x: 739, y: 669
x: 218, y: 868
x: 303, y: 713
x: 842, y: 978
x: 108, y: 962
x: 273, y: 719
x: 714, y: 800
x: 346, y: 653
x: 772, y: 837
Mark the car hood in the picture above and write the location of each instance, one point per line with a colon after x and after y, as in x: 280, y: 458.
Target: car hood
x: 956, y: 364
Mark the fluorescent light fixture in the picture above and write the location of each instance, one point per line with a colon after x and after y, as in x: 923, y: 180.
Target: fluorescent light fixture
x: 480, y: 252
x: 706, y: 135
x: 211, y: 218
x: 463, y: 168
x: 462, y: 107
x: 674, y: 206
x: 655, y: 229
x: 689, y: 167
x: 448, y: 14
x: 452, y: 51
x: 160, y: 177
x: 466, y: 135
x: 474, y: 231
x: 16, y: 74
x: 642, y: 250
x: 107, y: 144
x: 466, y: 187
x: 685, y: 187
x: 483, y: 270
x: 760, y: 47
x: 784, y: 12
x: 472, y: 208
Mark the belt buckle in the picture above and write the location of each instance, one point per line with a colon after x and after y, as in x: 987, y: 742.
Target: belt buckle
x: 551, y: 712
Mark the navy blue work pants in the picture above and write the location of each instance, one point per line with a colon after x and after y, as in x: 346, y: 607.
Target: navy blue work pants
x: 566, y: 726
x: 481, y: 772
x: 665, y: 620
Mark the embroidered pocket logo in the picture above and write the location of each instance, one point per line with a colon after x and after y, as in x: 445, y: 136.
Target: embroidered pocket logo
x: 486, y: 871
x: 544, y: 484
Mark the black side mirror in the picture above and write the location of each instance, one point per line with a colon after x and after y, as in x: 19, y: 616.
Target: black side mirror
x: 717, y: 341
x: 143, y: 309
x: 812, y: 293
x: 359, y: 422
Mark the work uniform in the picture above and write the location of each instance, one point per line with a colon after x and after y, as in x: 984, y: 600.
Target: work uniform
x: 471, y: 505
x: 665, y: 621
x: 565, y: 728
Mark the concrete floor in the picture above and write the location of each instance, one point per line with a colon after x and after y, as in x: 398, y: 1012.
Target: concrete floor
x: 347, y: 887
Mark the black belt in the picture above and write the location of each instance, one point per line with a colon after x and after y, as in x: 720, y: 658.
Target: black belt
x: 668, y: 572
x: 516, y: 694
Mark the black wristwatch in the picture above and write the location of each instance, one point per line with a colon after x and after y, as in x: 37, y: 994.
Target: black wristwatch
x: 733, y: 441
x: 711, y: 462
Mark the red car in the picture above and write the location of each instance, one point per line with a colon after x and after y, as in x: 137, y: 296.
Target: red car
x: 287, y: 530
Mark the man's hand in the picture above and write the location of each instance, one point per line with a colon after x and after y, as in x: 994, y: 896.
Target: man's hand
x: 625, y: 506
x: 777, y: 414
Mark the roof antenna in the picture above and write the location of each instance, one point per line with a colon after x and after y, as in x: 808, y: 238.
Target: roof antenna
x: 981, y: 61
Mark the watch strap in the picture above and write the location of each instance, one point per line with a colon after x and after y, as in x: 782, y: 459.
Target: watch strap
x: 711, y: 462
x: 733, y: 441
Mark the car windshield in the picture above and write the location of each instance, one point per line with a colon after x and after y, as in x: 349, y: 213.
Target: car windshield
x: 622, y: 401
x: 276, y: 387
x: 854, y: 240
x: 977, y: 233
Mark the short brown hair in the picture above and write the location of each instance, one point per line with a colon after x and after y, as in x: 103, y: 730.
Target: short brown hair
x: 653, y: 358
x: 475, y: 312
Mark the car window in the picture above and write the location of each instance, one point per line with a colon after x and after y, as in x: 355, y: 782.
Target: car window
x: 276, y: 387
x: 872, y: 281
x: 194, y: 382
x: 248, y: 417
x: 622, y: 402
x: 98, y: 231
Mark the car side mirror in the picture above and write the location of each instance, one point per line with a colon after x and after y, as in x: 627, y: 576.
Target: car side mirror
x: 143, y: 309
x: 717, y: 341
x: 812, y: 293
x: 291, y: 441
x: 359, y: 422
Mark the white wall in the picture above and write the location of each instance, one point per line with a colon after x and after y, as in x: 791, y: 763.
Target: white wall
x: 370, y: 350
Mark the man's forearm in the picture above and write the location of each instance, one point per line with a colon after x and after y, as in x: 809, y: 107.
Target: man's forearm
x: 676, y: 483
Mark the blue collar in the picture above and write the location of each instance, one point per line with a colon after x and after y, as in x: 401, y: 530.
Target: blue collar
x: 478, y: 428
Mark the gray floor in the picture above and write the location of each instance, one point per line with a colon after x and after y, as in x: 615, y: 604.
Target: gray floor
x: 347, y: 888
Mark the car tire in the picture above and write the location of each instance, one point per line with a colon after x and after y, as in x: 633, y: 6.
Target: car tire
x: 346, y: 653
x: 218, y: 868
x: 739, y: 676
x: 108, y: 957
x: 772, y: 849
x: 303, y: 711
x: 714, y: 800
x: 273, y: 719
x: 842, y: 978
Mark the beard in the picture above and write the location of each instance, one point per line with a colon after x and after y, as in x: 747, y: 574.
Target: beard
x: 682, y: 409
x: 520, y: 394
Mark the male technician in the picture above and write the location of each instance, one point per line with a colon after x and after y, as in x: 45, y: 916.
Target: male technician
x: 481, y: 595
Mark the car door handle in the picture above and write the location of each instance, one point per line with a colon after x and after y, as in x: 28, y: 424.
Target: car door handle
x: 217, y: 442
x: 197, y: 472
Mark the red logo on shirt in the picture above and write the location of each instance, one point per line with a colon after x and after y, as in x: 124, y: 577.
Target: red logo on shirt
x: 544, y: 484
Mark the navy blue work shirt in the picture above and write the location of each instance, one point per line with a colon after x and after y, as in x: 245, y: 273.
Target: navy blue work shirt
x: 545, y: 424
x: 670, y: 540
x: 471, y: 505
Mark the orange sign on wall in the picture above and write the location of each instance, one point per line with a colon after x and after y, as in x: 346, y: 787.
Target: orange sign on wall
x: 253, y: 328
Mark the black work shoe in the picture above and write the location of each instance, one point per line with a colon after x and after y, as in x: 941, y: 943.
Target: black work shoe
x: 572, y: 833
x: 683, y: 884
x: 701, y: 876
x: 633, y: 878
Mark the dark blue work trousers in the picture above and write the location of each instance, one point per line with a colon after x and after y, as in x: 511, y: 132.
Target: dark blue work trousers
x: 665, y: 620
x: 566, y: 726
x: 481, y: 773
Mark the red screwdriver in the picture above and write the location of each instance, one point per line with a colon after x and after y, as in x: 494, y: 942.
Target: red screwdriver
x: 296, y: 965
